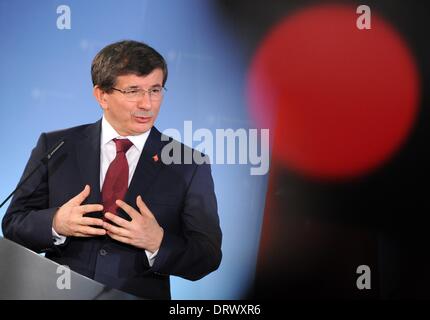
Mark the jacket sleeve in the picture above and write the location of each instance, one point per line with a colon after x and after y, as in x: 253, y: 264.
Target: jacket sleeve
x: 198, y: 251
x: 28, y: 220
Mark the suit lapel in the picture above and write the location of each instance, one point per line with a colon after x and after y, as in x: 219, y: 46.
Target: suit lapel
x: 147, y: 169
x: 88, y: 156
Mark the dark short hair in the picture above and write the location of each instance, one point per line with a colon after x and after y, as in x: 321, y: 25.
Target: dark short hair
x: 122, y: 58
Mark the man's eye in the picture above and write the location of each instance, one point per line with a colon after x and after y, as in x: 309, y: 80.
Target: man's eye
x: 132, y: 92
x: 156, y: 90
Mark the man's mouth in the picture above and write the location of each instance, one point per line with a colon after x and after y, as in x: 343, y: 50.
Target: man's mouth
x: 142, y: 116
x: 142, y: 119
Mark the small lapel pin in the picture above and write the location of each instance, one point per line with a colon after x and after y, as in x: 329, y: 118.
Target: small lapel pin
x: 155, y: 158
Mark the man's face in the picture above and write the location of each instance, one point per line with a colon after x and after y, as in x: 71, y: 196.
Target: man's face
x: 132, y: 118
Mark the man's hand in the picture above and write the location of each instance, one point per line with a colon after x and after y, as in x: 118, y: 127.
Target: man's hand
x: 143, y: 231
x: 69, y: 219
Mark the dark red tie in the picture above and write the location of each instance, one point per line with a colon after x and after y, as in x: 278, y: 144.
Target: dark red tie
x: 116, y: 181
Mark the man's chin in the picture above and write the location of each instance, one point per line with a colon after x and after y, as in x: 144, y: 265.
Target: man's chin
x: 142, y: 128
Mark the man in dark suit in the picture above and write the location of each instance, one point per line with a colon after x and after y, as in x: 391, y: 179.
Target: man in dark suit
x: 107, y: 204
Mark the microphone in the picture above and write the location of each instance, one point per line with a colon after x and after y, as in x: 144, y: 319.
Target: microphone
x: 54, y: 149
x: 44, y: 160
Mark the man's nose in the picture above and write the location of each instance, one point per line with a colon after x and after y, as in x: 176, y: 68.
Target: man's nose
x: 144, y: 101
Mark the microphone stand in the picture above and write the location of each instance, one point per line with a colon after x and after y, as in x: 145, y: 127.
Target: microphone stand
x: 45, y: 159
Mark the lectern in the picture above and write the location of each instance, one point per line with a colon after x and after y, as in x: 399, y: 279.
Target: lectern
x: 26, y: 275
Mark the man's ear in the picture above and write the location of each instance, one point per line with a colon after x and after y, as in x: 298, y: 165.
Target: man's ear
x: 100, y: 96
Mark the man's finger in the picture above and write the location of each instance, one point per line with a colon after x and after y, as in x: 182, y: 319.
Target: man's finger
x: 127, y: 208
x: 78, y: 234
x: 142, y: 207
x: 116, y: 230
x: 86, y: 208
x: 78, y: 199
x: 119, y: 238
x: 117, y: 220
x: 91, y: 231
x: 87, y: 221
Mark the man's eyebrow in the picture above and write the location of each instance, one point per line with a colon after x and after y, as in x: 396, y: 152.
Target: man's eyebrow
x: 138, y: 87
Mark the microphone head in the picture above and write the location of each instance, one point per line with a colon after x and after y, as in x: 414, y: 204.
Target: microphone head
x: 55, y: 148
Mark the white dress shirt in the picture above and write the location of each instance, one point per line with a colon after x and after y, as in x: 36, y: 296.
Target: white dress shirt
x: 107, y: 155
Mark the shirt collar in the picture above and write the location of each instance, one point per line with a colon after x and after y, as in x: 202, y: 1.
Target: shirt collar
x: 109, y: 133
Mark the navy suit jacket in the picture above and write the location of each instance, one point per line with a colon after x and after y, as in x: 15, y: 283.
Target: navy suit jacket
x: 181, y: 197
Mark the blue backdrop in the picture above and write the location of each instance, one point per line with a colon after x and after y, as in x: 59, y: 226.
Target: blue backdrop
x: 46, y: 85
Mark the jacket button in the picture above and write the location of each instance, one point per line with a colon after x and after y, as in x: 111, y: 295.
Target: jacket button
x: 103, y: 252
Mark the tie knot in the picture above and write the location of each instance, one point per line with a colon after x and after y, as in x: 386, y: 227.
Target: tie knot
x: 122, y: 145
